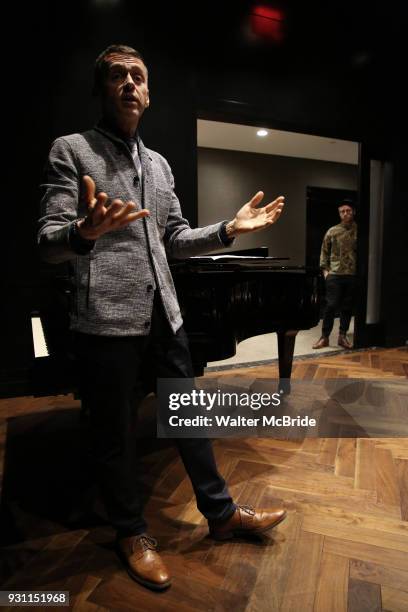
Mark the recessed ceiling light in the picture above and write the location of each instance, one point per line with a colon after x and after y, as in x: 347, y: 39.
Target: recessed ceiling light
x: 262, y: 133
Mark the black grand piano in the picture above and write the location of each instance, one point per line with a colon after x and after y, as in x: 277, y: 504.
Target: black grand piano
x: 223, y: 298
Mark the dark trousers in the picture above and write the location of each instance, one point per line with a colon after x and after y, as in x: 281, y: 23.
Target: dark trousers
x: 112, y: 371
x: 340, y: 291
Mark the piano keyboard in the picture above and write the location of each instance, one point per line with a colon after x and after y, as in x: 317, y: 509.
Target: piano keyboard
x: 40, y: 345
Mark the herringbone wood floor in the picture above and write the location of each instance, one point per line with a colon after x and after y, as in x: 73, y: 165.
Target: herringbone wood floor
x: 344, y: 545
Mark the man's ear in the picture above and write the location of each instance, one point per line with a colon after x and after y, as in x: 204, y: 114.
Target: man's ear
x: 147, y: 100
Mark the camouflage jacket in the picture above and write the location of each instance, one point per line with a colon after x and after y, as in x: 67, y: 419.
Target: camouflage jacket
x: 339, y: 249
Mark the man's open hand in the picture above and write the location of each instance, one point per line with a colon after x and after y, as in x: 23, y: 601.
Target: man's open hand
x: 101, y: 218
x: 252, y: 219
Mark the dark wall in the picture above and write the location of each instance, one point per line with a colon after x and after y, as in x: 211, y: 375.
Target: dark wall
x: 395, y: 257
x: 52, y: 69
x: 227, y: 179
x: 337, y: 72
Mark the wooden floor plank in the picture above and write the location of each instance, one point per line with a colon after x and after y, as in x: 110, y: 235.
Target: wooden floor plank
x: 379, y: 574
x: 79, y: 602
x: 402, y: 474
x: 387, y: 484
x: 303, y: 573
x: 394, y: 600
x: 332, y: 587
x: 345, y: 461
x: 393, y: 559
x: 363, y: 596
x: 366, y: 503
x: 328, y: 451
x: 365, y: 458
x: 347, y: 531
x: 391, y: 531
x: 273, y: 570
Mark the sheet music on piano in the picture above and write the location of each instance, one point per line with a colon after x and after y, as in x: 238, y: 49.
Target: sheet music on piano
x: 230, y: 262
x: 232, y: 257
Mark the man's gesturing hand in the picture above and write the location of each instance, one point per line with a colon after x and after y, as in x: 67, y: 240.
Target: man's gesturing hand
x: 251, y: 219
x: 100, y: 218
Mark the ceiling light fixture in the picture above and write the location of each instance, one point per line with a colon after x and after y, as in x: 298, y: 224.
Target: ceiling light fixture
x: 262, y: 133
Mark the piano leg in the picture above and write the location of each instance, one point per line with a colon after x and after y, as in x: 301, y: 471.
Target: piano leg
x: 286, y: 346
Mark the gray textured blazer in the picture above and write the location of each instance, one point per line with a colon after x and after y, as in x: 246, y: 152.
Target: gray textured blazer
x: 114, y: 282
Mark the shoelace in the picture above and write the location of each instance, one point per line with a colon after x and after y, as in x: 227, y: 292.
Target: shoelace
x: 146, y: 542
x: 246, y: 508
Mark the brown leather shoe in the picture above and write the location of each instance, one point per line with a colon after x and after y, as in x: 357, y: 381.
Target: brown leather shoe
x: 321, y: 343
x: 246, y: 520
x: 342, y: 341
x: 143, y: 563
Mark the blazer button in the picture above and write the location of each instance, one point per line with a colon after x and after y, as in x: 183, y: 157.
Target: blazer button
x: 149, y: 287
x: 147, y: 324
x: 135, y: 180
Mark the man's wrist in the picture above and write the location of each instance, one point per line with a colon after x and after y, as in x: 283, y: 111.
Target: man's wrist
x: 83, y: 231
x: 230, y: 229
x: 78, y: 242
x: 225, y: 239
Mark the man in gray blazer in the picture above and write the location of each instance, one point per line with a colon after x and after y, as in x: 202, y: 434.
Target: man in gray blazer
x: 110, y: 210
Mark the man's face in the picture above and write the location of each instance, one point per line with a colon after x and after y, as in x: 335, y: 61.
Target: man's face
x: 346, y: 213
x: 125, y: 93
